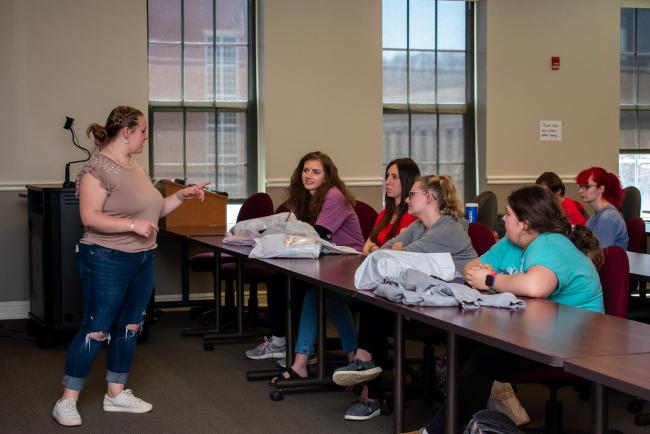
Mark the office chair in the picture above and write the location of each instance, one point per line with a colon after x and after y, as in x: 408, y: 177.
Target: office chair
x: 631, y: 205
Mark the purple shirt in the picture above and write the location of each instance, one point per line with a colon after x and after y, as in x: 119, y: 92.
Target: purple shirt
x: 337, y: 216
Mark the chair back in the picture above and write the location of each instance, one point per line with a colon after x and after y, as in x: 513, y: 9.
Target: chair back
x: 257, y: 205
x: 282, y: 208
x: 367, y: 217
x: 614, y: 276
x: 487, y: 209
x: 481, y: 236
x: 636, y: 235
x: 631, y: 205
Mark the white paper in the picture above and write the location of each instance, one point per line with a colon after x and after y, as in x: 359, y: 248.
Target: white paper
x: 550, y: 131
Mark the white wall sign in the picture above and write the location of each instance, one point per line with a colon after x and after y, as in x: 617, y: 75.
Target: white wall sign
x: 550, y: 131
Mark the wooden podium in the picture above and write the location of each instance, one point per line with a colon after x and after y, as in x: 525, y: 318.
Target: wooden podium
x: 210, y: 212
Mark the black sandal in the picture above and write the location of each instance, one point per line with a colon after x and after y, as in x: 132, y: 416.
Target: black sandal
x: 292, y: 375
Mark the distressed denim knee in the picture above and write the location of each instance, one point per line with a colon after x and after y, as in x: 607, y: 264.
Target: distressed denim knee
x: 116, y: 288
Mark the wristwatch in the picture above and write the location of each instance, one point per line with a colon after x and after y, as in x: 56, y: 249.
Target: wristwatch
x: 489, y: 280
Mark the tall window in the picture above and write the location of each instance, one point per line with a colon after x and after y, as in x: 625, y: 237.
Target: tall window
x: 428, y: 87
x: 202, y: 94
x: 634, y: 136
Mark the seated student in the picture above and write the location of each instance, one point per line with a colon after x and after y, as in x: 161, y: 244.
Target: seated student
x: 542, y: 257
x: 602, y: 190
x: 574, y: 211
x: 399, y: 177
x: 319, y: 197
x: 440, y: 228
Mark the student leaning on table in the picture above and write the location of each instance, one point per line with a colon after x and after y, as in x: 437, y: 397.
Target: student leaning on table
x: 319, y: 197
x: 119, y: 209
x: 440, y: 228
x: 542, y: 257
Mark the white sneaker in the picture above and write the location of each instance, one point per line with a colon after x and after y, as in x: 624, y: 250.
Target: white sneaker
x: 267, y: 350
x: 65, y: 412
x: 126, y: 402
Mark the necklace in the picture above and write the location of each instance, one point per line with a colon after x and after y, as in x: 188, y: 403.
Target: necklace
x: 113, y: 157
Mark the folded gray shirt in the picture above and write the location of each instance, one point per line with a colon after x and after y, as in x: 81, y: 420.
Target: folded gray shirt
x: 414, y: 287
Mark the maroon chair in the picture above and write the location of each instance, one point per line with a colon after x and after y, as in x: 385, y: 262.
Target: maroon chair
x: 614, y: 274
x: 282, y: 208
x: 367, y: 217
x: 636, y: 243
x: 257, y: 205
x: 481, y: 236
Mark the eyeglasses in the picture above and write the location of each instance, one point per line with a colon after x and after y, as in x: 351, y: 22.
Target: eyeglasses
x: 412, y: 193
x: 586, y: 186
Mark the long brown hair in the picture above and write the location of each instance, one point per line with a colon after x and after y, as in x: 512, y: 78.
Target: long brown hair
x: 538, y: 208
x: 305, y: 205
x: 408, y: 171
x: 122, y: 116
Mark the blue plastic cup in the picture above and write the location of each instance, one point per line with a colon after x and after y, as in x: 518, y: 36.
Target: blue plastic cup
x: 471, y: 212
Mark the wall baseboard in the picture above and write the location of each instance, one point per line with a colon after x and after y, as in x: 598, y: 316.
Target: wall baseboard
x: 20, y: 309
x: 14, y: 309
x: 177, y: 297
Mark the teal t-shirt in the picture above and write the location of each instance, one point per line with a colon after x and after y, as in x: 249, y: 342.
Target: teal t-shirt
x: 578, y: 281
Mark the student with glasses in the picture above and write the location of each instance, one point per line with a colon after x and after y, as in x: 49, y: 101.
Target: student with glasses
x: 602, y: 190
x: 440, y: 228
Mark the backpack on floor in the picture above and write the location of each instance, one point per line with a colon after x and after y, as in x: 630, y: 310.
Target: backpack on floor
x: 492, y: 422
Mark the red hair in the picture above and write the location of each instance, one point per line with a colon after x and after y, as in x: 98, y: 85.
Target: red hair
x: 613, y: 190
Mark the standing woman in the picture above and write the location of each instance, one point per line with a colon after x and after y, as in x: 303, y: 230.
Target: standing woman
x: 120, y: 209
x: 602, y: 190
x: 319, y: 197
x: 399, y: 178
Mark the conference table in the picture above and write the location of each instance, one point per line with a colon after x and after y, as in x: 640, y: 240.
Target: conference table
x: 544, y: 331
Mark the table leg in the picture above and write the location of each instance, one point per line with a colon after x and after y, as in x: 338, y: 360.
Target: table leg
x: 451, y: 409
x: 398, y: 400
x: 599, y: 409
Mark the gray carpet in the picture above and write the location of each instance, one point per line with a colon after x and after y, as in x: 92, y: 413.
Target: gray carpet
x: 194, y: 391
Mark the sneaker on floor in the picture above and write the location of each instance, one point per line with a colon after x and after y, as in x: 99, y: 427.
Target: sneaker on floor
x: 363, y: 410
x: 356, y: 372
x: 282, y: 363
x: 65, y: 412
x: 126, y: 402
x: 267, y: 350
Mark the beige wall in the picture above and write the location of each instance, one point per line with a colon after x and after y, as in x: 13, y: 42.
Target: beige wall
x: 518, y: 39
x: 320, y: 88
x: 68, y: 57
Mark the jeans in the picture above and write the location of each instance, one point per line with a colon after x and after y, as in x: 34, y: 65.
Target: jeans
x: 337, y: 310
x: 116, y: 289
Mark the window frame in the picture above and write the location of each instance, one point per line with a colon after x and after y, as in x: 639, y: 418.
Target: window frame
x: 466, y: 110
x: 248, y: 107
